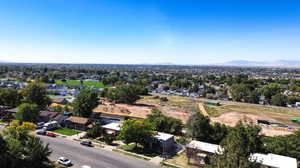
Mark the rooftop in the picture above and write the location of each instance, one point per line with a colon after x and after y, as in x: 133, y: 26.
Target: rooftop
x: 112, y: 126
x: 79, y: 120
x: 273, y: 160
x: 163, y: 136
x: 204, y: 146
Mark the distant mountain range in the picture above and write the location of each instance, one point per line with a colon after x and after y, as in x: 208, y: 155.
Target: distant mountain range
x: 280, y: 63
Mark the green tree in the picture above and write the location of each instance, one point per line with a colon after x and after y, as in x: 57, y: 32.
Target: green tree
x: 23, y: 150
x: 124, y: 94
x: 164, y: 123
x: 137, y: 131
x: 9, y: 97
x: 237, y: 147
x: 95, y: 131
x: 85, y: 102
x: 28, y: 112
x: 279, y: 100
x: 198, y: 127
x: 270, y: 90
x: 288, y: 145
x: 240, y: 92
x: 36, y: 93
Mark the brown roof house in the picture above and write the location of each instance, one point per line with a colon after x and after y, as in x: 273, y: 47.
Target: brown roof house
x: 78, y: 123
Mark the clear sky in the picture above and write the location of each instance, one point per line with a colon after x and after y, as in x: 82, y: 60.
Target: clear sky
x: 150, y: 31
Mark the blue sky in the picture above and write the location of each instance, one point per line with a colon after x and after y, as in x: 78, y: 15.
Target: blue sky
x: 152, y: 31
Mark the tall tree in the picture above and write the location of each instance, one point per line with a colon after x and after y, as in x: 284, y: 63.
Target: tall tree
x: 36, y: 93
x: 85, y: 102
x: 28, y: 112
x: 270, y: 90
x: 164, y: 123
x: 23, y: 150
x: 128, y: 93
x: 198, y: 127
x: 237, y: 147
x: 137, y: 131
x: 279, y: 100
x: 9, y: 97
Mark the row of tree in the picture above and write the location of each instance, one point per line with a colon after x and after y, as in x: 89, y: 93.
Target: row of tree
x: 250, y: 94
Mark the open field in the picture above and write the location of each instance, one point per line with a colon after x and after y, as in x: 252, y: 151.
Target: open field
x: 85, y: 83
x: 228, y: 113
x: 66, y: 131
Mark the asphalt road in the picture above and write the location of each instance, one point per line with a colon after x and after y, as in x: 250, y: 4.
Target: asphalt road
x: 94, y: 157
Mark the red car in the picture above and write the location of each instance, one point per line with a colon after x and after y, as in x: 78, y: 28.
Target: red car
x: 50, y: 134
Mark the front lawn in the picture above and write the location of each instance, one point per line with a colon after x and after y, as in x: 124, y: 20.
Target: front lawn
x: 139, y: 150
x: 66, y: 131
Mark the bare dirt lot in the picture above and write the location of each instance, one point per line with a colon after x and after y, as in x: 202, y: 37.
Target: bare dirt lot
x: 228, y: 113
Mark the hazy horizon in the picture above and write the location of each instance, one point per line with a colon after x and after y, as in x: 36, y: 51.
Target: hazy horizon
x: 151, y: 32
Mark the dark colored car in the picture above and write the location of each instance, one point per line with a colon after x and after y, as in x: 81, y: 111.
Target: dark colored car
x: 265, y: 122
x: 41, y: 132
x: 50, y: 134
x: 86, y: 143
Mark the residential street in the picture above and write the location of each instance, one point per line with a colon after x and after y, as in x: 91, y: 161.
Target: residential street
x: 94, y: 157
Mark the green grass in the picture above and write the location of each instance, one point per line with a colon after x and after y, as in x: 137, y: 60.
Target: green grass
x: 85, y: 83
x: 66, y: 131
x: 139, y: 150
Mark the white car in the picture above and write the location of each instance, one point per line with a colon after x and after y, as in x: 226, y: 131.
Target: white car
x: 64, y: 161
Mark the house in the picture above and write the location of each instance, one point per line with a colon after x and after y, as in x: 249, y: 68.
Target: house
x: 274, y: 161
x: 62, y: 101
x: 163, y: 142
x: 78, y: 123
x: 46, y: 116
x: 199, y: 151
x: 60, y: 118
x: 111, y: 128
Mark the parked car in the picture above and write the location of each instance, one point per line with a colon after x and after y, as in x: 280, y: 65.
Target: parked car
x: 86, y: 143
x: 40, y: 132
x: 51, y: 125
x: 64, y: 161
x: 40, y: 125
x: 50, y: 134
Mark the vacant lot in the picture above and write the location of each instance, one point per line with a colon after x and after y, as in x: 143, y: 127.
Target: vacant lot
x: 177, y: 107
x: 85, y: 83
x: 66, y: 131
x: 228, y: 113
